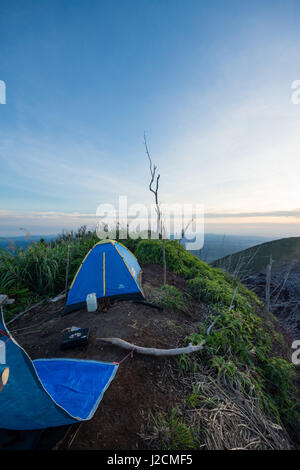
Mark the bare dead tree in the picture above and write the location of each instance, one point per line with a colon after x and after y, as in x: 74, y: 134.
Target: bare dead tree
x: 239, y: 266
x: 154, y: 188
x: 184, y: 229
x: 268, y: 283
x: 154, y: 180
x: 245, y: 261
x: 282, y: 282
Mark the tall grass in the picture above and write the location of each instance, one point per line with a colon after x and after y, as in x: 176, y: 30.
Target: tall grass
x: 39, y: 271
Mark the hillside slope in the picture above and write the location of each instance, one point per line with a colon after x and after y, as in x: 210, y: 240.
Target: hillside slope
x: 250, y: 266
x: 238, y: 392
x: 255, y: 259
x: 217, y: 246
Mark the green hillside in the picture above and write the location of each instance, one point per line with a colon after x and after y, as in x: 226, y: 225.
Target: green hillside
x: 244, y: 355
x: 255, y: 259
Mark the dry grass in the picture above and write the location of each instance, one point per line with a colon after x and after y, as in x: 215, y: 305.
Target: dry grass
x: 220, y: 416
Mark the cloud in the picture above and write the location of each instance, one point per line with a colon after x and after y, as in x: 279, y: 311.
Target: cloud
x: 278, y: 223
x: 43, y: 223
x: 264, y: 214
x: 60, y: 176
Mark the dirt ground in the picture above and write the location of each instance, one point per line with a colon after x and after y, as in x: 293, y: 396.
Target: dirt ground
x: 142, y: 383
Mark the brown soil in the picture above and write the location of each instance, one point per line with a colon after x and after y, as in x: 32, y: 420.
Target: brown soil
x: 141, y: 383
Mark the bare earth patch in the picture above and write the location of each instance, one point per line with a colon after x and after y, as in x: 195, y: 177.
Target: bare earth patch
x: 145, y: 387
x: 141, y: 383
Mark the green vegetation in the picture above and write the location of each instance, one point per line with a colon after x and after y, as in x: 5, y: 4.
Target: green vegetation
x: 169, y: 297
x: 39, y: 271
x: 239, y: 347
x: 173, y: 433
x: 206, y: 283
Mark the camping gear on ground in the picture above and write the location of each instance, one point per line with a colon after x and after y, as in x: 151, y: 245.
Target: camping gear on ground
x: 75, y: 337
x: 91, y: 302
x: 49, y: 392
x: 110, y: 270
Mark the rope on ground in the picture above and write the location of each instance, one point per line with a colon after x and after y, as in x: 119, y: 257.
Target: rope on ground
x: 5, y: 334
x: 124, y: 358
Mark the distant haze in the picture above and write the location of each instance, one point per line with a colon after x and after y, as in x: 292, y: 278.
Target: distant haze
x: 215, y: 246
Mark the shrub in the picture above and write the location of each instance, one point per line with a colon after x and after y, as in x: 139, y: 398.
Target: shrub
x: 173, y: 433
x: 169, y: 297
x: 206, y: 283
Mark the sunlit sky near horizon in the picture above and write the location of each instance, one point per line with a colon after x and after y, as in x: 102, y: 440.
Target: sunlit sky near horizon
x: 209, y: 82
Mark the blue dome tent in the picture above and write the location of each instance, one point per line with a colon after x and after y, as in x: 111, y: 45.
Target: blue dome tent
x: 109, y: 270
x: 49, y: 392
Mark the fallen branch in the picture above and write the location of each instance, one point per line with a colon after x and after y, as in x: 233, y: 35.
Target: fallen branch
x: 152, y: 351
x: 25, y: 311
x: 19, y: 315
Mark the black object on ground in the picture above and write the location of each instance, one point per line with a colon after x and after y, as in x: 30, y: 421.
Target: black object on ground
x: 75, y: 338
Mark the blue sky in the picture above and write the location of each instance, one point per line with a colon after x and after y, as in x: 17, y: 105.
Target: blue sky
x: 209, y: 81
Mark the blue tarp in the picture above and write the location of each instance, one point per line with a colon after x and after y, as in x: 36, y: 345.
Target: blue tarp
x: 108, y: 270
x: 49, y: 392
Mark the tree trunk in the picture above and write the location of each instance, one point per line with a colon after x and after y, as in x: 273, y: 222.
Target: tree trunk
x: 67, y: 269
x: 268, y: 284
x: 164, y: 262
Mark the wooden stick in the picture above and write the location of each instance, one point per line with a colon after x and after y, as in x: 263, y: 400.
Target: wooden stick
x: 73, y: 437
x: 152, y: 351
x: 54, y: 299
x: 268, y: 284
x: 164, y: 262
x: 25, y: 311
x: 67, y: 269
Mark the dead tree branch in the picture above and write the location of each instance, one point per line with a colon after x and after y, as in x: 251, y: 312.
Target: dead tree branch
x: 268, y: 283
x: 154, y: 179
x: 152, y: 351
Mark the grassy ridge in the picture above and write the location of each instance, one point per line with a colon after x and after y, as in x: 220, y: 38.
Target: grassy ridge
x: 239, y: 348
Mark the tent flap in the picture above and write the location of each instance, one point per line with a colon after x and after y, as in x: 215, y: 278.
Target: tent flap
x: 49, y: 392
